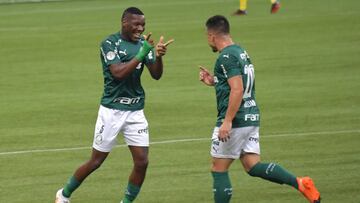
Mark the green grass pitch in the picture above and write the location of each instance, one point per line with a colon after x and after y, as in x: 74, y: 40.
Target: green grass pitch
x: 306, y: 59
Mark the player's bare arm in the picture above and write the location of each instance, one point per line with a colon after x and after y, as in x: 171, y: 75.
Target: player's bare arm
x: 156, y: 69
x: 122, y: 70
x: 206, y: 77
x: 236, y: 95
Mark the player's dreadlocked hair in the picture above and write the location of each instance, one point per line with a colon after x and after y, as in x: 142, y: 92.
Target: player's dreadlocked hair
x: 219, y: 24
x: 131, y: 10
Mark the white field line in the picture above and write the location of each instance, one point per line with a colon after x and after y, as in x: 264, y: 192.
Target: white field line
x: 186, y: 140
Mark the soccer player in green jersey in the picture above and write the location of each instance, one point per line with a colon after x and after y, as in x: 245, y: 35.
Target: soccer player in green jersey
x: 123, y: 56
x: 236, y: 135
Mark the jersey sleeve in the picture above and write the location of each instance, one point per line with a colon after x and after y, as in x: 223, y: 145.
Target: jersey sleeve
x: 230, y: 65
x: 109, y: 52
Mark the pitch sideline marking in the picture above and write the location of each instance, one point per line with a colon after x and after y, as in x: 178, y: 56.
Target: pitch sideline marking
x: 183, y: 140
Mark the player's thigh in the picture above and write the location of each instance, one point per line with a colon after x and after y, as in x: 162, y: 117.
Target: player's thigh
x: 242, y: 140
x: 139, y: 154
x: 250, y: 150
x: 231, y: 149
x: 107, y: 127
x: 136, y: 129
x: 251, y: 138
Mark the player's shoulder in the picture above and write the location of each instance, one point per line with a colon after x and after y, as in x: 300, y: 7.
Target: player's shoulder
x: 234, y: 49
x: 229, y: 53
x: 111, y: 39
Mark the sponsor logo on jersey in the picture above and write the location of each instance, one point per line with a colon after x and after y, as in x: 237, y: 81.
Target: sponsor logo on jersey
x: 118, y: 42
x: 249, y: 103
x: 216, y: 80
x: 126, y: 100
x: 244, y: 56
x: 110, y: 55
x: 226, y: 56
x: 252, y: 117
x: 123, y: 52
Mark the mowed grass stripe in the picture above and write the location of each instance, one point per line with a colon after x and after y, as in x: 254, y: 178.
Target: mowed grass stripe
x: 185, y: 140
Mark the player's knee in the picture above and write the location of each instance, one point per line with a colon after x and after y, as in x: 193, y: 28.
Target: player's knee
x: 95, y: 164
x: 141, y: 164
x: 251, y: 170
x: 217, y: 168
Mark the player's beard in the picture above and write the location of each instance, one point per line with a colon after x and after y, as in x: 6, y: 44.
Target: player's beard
x: 213, y: 48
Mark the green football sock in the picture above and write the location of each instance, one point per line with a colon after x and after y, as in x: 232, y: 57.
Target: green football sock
x: 222, y: 187
x: 131, y: 192
x: 273, y: 173
x: 70, y: 186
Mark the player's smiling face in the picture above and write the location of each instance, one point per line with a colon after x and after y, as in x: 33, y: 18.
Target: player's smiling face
x: 133, y: 26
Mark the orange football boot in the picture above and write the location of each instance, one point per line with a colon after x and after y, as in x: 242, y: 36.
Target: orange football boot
x: 308, y: 189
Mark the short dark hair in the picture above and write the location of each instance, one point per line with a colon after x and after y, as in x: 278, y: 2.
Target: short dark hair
x: 131, y: 10
x: 219, y: 24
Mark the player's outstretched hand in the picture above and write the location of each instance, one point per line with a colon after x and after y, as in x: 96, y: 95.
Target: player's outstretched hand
x: 205, y: 76
x: 161, y: 47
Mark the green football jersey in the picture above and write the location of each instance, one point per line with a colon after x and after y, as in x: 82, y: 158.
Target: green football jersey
x: 126, y: 94
x: 233, y: 61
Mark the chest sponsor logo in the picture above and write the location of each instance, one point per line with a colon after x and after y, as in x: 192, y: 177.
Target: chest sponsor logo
x: 252, y: 117
x: 126, y: 100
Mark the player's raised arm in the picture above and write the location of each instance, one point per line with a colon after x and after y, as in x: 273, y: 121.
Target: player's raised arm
x: 156, y: 69
x: 122, y: 70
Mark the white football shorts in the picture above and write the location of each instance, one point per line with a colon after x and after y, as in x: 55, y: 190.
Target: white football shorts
x: 110, y: 122
x: 242, y: 140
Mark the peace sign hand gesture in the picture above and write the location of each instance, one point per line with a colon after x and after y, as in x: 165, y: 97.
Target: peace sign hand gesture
x: 161, y: 47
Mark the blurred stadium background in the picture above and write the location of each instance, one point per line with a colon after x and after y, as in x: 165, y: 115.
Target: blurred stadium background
x: 307, y: 63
